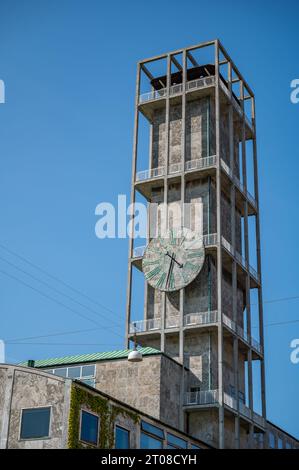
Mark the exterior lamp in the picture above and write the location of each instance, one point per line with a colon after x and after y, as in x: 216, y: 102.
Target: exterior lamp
x: 135, y: 355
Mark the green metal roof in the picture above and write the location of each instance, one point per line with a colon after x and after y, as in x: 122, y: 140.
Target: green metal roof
x: 92, y: 357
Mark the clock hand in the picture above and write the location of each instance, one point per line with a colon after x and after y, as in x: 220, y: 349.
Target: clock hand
x: 173, y: 258
x: 169, y: 272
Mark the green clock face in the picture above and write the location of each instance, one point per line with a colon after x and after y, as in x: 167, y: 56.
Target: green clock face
x: 172, y: 262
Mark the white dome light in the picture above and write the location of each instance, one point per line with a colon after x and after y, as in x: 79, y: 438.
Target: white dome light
x: 135, y: 356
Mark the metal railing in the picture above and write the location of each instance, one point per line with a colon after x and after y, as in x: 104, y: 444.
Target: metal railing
x: 204, y: 397
x: 149, y: 174
x: 229, y: 323
x: 256, y: 345
x: 190, y: 165
x: 243, y: 334
x: 177, y: 89
x: 174, y: 168
x: 200, y: 163
x: 258, y: 419
x: 201, y: 318
x: 200, y: 83
x: 153, y: 95
x: 141, y: 326
x: 230, y: 401
x: 211, y: 239
x: 244, y: 410
x: 238, y: 183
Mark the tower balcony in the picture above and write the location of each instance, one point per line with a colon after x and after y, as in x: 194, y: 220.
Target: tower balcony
x: 210, y: 242
x: 207, y: 398
x: 155, y: 99
x: 242, y: 193
x: 192, y: 322
x: 148, y: 179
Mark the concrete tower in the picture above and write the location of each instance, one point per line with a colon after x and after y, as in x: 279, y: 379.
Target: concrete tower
x: 199, y: 113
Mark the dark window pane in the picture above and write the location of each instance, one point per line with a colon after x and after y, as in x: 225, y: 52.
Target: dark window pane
x: 89, y: 428
x: 176, y: 441
x: 61, y: 372
x: 88, y: 371
x: 149, y: 442
x: 35, y: 423
x: 152, y: 429
x: 122, y: 438
x: 74, y: 372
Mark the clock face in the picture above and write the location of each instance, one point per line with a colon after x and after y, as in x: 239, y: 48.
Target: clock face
x: 172, y: 262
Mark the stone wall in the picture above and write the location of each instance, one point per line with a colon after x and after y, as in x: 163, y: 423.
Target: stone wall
x: 26, y: 388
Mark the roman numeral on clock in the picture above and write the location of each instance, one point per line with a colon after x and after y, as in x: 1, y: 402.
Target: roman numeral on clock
x: 154, y: 272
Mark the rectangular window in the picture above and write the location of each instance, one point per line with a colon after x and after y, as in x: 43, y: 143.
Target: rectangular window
x: 61, y: 372
x: 149, y: 442
x: 271, y: 440
x: 288, y: 445
x: 35, y: 423
x: 74, y: 372
x: 174, y: 442
x: 122, y: 438
x: 149, y: 428
x: 280, y: 443
x: 89, y: 428
x: 151, y: 436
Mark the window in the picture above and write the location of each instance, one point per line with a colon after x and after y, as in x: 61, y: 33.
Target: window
x: 151, y: 436
x: 35, y: 423
x: 174, y: 442
x: 271, y: 440
x: 89, y: 428
x: 280, y: 443
x: 84, y: 373
x: 122, y: 438
x: 288, y: 445
x: 149, y: 442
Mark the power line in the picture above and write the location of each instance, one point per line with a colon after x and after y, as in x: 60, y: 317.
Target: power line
x: 57, y: 301
x: 58, y: 291
x: 57, y: 279
x: 51, y: 334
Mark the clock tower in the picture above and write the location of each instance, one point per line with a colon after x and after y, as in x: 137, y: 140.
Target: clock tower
x: 202, y: 297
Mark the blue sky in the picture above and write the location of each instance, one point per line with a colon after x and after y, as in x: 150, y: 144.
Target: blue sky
x: 66, y: 143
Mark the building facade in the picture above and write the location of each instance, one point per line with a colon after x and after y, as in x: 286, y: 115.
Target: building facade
x: 201, y: 381
x: 39, y: 410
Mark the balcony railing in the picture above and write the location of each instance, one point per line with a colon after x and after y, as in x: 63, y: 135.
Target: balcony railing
x: 149, y: 174
x: 230, y: 401
x: 244, y: 410
x: 177, y: 89
x: 141, y: 326
x: 200, y: 163
x: 229, y: 323
x: 256, y: 345
x: 190, y: 165
x: 205, y: 397
x: 238, y: 183
x: 258, y: 419
x: 201, y: 318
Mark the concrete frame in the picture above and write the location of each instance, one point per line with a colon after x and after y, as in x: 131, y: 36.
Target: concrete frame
x: 245, y: 94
